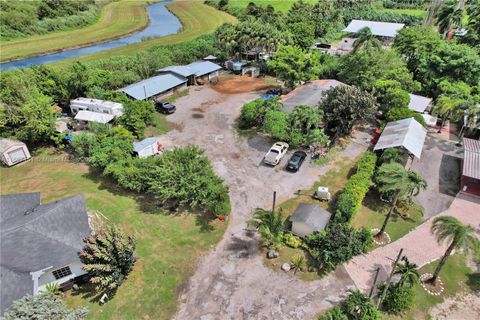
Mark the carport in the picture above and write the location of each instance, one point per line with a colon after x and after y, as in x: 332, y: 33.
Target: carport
x: 470, y: 181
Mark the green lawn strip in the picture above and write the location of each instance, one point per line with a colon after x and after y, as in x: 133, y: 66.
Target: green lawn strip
x: 117, y: 19
x: 168, y: 247
x: 281, y: 5
x: 457, y: 277
x: 160, y: 126
x: 373, y: 212
x: 196, y: 18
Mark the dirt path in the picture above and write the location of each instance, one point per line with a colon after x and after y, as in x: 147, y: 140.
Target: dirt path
x: 419, y: 245
x: 231, y: 281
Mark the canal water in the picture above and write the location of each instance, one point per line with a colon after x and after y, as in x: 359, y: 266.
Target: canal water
x: 162, y: 23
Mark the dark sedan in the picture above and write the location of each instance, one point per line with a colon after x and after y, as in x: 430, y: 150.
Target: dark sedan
x: 296, y: 161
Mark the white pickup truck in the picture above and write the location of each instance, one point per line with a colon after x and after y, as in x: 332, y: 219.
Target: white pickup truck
x: 276, y: 153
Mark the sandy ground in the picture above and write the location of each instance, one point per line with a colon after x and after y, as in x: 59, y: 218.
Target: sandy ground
x: 462, y: 306
x: 231, y: 281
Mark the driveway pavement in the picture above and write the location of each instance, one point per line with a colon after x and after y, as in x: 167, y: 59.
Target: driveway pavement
x: 440, y: 166
x: 420, y: 246
x: 231, y: 281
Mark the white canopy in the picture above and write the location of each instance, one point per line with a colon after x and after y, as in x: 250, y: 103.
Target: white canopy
x: 381, y: 29
x: 418, y: 103
x: 407, y: 133
x: 91, y: 116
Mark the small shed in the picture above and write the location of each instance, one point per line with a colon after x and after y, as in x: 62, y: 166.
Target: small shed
x: 470, y: 181
x: 309, y: 218
x: 147, y: 147
x: 418, y: 103
x: 210, y: 58
x: 13, y: 152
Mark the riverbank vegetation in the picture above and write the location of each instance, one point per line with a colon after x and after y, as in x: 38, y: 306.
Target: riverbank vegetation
x: 114, y: 20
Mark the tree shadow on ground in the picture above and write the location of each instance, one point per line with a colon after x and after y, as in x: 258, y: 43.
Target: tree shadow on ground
x: 243, y: 248
x: 90, y: 292
x: 449, y: 175
x: 473, y: 282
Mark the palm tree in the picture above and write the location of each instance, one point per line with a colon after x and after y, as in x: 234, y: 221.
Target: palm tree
x: 408, y: 272
x: 298, y: 262
x: 391, y: 155
x: 449, y: 16
x: 460, y: 236
x: 269, y: 225
x: 391, y: 177
x: 416, y: 184
x: 366, y: 38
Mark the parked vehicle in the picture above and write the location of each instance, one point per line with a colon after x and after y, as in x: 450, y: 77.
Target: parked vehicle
x: 296, y: 161
x: 164, y: 107
x: 276, y: 153
x: 322, y: 194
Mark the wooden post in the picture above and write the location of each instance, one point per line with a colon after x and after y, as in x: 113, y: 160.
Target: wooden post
x: 374, y: 282
x: 389, y: 279
x: 274, y: 198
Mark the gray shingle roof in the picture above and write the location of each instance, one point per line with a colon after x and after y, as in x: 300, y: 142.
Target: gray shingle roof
x: 314, y: 216
x: 407, y: 133
x: 34, y: 237
x: 153, y: 86
x: 309, y: 94
x: 381, y: 29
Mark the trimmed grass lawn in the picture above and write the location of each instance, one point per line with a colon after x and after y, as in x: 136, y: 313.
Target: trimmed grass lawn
x: 168, y: 246
x: 197, y: 19
x: 117, y: 19
x: 159, y: 127
x: 457, y: 277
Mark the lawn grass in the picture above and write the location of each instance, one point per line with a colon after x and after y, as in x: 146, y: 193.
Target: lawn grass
x: 117, y: 19
x: 457, y: 277
x: 160, y: 126
x: 196, y: 18
x: 280, y: 5
x: 168, y: 247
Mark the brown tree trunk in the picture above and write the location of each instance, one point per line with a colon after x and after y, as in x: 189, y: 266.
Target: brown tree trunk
x: 442, y: 262
x: 389, y: 215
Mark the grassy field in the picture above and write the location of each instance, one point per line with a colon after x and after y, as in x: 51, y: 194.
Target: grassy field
x: 168, y: 247
x: 457, y: 277
x: 197, y: 19
x: 117, y: 19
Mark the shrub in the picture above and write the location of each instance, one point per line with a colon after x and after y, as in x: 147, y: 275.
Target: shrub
x: 276, y: 123
x: 359, y: 306
x: 253, y: 113
x: 351, y: 197
x: 398, y: 298
x: 396, y: 114
x: 333, y: 314
x: 292, y: 240
x: 338, y: 244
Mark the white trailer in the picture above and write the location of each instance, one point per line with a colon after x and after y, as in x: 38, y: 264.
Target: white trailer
x: 148, y: 147
x: 95, y: 105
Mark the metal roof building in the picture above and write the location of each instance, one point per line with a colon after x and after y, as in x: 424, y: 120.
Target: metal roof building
x: 91, y: 116
x: 198, y: 69
x: 419, y: 103
x: 309, y: 94
x: 154, y: 86
x: 380, y: 29
x: 309, y: 218
x: 470, y: 181
x: 406, y: 133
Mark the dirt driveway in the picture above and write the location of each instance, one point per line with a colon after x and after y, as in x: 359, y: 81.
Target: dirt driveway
x: 231, y: 281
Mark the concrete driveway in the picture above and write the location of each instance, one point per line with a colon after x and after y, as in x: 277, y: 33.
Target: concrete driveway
x: 440, y: 166
x: 231, y: 281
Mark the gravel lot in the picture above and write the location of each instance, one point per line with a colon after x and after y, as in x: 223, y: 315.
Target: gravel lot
x: 231, y: 281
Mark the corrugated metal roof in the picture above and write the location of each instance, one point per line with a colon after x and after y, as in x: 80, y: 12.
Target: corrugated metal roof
x: 471, y: 159
x: 418, y: 103
x: 139, y: 146
x: 203, y: 67
x: 407, y: 133
x: 381, y: 29
x: 153, y: 86
x: 84, y: 115
x: 183, y: 71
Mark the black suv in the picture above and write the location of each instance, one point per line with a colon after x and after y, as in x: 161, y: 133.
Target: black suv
x: 296, y: 161
x: 164, y: 107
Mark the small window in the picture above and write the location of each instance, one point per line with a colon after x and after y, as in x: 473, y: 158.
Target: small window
x: 62, y: 272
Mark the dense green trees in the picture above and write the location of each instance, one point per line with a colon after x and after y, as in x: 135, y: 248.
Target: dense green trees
x: 294, y: 65
x: 108, y: 256
x: 43, y: 306
x: 472, y: 38
x: 253, y: 113
x: 395, y: 114
x: 343, y: 106
x: 336, y: 244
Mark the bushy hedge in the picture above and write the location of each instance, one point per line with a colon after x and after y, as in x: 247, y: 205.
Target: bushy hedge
x: 352, y: 195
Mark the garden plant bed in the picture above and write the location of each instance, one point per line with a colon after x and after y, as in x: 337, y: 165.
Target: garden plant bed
x: 380, y: 239
x: 435, y: 289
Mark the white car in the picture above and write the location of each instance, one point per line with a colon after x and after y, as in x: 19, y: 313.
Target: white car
x: 276, y: 153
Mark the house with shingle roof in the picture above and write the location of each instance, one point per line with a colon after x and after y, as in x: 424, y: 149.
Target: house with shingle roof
x: 40, y: 243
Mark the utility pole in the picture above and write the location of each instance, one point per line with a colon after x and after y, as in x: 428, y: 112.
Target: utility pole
x: 374, y: 282
x: 274, y: 198
x: 389, y: 279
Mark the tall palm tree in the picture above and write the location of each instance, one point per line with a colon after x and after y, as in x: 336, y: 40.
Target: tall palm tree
x: 365, y: 38
x: 460, y: 236
x: 391, y: 177
x: 416, y: 184
x: 449, y: 16
x: 269, y: 225
x: 408, y: 272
